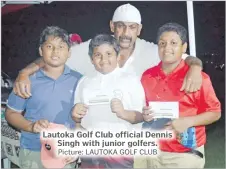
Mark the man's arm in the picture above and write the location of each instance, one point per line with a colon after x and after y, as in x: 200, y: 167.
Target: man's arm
x: 193, y: 79
x: 22, y: 85
x: 33, y: 67
x: 193, y: 61
x: 17, y: 120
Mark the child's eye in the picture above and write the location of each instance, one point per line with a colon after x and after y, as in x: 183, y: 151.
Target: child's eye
x: 109, y: 54
x: 62, y: 46
x: 161, y: 43
x: 49, y: 46
x: 97, y: 55
x: 174, y: 43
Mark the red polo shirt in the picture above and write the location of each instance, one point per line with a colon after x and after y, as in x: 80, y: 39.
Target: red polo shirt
x: 161, y: 87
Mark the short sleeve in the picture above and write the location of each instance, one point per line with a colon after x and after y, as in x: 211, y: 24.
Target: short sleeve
x: 16, y: 103
x: 184, y: 56
x: 208, y: 99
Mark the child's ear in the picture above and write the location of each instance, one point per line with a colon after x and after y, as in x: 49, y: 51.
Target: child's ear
x: 185, y: 45
x: 91, y: 59
x: 40, y: 50
x: 139, y: 29
x: 69, y: 53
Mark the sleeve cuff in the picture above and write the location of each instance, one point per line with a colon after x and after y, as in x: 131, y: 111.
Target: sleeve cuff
x: 17, y: 110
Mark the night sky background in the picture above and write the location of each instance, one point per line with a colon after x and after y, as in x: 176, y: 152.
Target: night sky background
x: 21, y: 30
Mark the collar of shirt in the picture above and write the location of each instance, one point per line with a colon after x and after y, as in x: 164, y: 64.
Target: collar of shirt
x: 162, y: 75
x: 132, y: 56
x: 41, y: 73
x: 115, y: 71
x: 110, y: 77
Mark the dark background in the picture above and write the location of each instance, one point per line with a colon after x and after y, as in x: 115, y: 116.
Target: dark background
x: 21, y: 30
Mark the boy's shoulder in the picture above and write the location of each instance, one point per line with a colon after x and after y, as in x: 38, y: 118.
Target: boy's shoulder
x: 40, y: 73
x: 128, y: 75
x: 151, y: 71
x: 128, y: 78
x: 206, y: 78
x: 75, y: 74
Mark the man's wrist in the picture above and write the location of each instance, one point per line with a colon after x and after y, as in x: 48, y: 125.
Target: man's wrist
x: 24, y: 72
x: 196, y: 66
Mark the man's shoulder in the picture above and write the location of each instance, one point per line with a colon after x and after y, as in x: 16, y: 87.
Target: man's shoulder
x: 128, y: 77
x: 75, y: 74
x: 206, y: 78
x: 146, y: 44
x: 81, y: 46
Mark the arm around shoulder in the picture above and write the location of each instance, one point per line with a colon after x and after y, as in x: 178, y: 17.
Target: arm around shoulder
x: 22, y: 85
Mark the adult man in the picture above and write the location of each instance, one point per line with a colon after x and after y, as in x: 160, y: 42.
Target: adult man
x: 136, y: 55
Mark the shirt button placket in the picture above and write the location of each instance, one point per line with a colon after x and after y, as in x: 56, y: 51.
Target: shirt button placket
x: 164, y: 89
x: 54, y: 85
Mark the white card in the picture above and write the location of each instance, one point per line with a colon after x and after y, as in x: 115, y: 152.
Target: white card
x: 165, y: 109
x: 99, y: 116
x: 96, y: 97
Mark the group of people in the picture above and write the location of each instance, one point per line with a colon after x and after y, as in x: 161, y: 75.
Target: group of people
x: 130, y: 73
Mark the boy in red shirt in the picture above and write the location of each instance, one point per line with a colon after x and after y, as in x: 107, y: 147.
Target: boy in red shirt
x: 162, y: 84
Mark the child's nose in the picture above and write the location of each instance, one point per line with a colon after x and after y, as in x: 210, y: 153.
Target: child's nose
x: 104, y: 58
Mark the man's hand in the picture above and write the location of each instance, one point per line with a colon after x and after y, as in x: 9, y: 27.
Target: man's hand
x: 39, y: 125
x: 147, y: 113
x: 22, y: 86
x: 118, y: 108
x: 179, y: 125
x: 193, y: 79
x: 79, y: 111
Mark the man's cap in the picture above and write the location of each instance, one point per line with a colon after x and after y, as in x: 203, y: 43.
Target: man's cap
x: 127, y: 13
x: 48, y: 150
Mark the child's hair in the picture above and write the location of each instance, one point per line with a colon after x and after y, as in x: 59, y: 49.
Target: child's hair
x: 101, y: 39
x: 173, y: 27
x: 56, y: 32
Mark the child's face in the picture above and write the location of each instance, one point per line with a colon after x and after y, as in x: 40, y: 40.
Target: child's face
x: 170, y: 47
x: 104, y: 58
x: 54, y: 51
